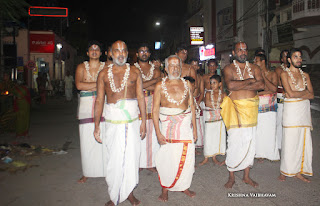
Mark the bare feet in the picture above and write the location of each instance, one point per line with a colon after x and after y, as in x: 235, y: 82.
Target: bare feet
x: 282, y: 178
x: 198, y: 152
x: 229, y: 184
x: 222, y: 163
x: 164, y: 195
x: 189, y: 193
x: 83, y: 179
x: 299, y: 176
x: 205, y: 161
x: 231, y: 181
x: 260, y: 160
x: 133, y: 200
x: 250, y: 182
x: 153, y: 169
x: 110, y: 203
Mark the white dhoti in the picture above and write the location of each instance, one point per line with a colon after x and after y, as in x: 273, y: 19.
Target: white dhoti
x: 296, y: 153
x: 240, y: 118
x: 279, y: 116
x: 122, y: 141
x: 266, y: 142
x: 215, y: 135
x: 149, y: 145
x: 91, y: 150
x: 200, y: 127
x: 175, y: 160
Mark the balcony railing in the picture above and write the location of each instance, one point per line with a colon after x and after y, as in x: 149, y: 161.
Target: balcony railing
x: 305, y: 8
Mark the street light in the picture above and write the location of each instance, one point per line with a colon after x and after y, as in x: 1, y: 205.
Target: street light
x: 157, y: 23
x: 59, y: 46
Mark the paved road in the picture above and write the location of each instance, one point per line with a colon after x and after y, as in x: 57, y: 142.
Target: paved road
x: 54, y: 181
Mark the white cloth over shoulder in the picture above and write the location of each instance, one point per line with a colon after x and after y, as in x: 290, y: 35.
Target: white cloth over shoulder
x: 296, y: 153
x: 122, y: 141
x: 175, y: 160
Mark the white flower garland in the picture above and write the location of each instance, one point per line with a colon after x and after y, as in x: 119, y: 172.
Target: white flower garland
x: 245, y: 68
x: 198, y: 110
x: 87, y: 66
x: 282, y: 66
x: 144, y: 77
x: 124, y: 81
x: 215, y: 105
x: 163, y: 86
x: 294, y: 82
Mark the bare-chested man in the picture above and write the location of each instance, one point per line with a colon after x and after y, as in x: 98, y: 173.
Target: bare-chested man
x: 187, y: 70
x: 85, y: 80
x: 150, y: 76
x: 174, y: 106
x: 109, y: 56
x: 280, y: 98
x: 296, y: 152
x: 266, y: 144
x: 240, y: 113
x: 198, y: 95
x: 199, y: 89
x: 122, y: 84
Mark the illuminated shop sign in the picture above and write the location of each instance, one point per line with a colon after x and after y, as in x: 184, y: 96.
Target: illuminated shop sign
x: 42, y: 43
x: 207, y: 52
x: 48, y: 11
x: 197, y: 35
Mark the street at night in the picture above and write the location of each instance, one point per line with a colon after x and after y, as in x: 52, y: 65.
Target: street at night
x: 163, y: 102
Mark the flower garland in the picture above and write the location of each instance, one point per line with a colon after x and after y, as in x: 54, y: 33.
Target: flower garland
x: 124, y: 81
x: 215, y: 105
x: 198, y: 110
x: 245, y: 68
x: 144, y: 77
x: 164, y: 88
x: 282, y: 66
x: 87, y: 66
x: 294, y: 82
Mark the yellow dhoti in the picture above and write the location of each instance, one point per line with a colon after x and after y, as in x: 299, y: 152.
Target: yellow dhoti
x: 240, y: 117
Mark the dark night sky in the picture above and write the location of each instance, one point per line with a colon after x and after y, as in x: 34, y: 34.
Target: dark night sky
x: 127, y: 19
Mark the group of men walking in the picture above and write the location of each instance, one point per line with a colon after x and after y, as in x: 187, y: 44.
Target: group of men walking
x: 135, y: 117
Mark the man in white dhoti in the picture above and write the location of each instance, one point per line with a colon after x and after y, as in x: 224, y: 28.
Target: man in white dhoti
x: 150, y: 76
x: 86, y: 77
x: 215, y: 130
x: 280, y: 98
x: 266, y: 142
x: 174, y: 106
x: 198, y: 94
x: 122, y: 84
x: 240, y: 112
x: 296, y: 152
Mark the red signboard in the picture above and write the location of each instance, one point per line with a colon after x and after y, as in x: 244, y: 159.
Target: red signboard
x: 48, y: 11
x: 42, y: 43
